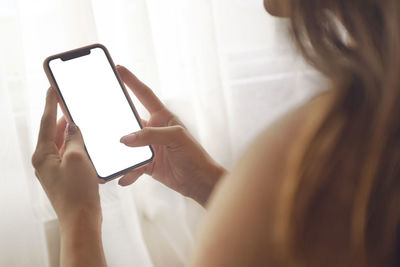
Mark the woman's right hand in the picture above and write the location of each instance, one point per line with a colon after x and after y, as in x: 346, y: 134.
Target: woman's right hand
x: 179, y: 162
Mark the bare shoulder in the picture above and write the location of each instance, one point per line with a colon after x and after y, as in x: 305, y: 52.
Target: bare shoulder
x: 238, y: 229
x: 276, y: 141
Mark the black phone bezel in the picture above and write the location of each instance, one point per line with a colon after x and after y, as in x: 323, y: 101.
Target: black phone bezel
x: 84, y: 51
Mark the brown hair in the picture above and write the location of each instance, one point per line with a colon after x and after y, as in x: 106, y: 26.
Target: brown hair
x: 341, y: 204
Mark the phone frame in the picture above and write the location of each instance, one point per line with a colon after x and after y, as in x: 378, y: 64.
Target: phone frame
x: 84, y: 51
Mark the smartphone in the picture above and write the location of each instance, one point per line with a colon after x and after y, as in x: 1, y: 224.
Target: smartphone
x: 92, y: 96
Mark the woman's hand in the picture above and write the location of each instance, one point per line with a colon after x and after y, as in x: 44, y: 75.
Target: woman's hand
x: 63, y: 168
x: 70, y: 182
x: 180, y: 162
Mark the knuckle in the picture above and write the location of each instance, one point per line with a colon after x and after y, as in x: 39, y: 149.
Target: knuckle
x: 74, y: 156
x: 37, y: 160
x: 144, y: 132
x: 173, y: 120
x: 179, y: 131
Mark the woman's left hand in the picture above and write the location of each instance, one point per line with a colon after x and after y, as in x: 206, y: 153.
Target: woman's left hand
x: 64, y: 169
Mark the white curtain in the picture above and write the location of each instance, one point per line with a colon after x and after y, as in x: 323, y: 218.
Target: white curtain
x: 221, y: 65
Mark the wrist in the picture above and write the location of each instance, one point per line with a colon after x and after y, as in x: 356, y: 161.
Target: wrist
x: 81, y: 221
x: 206, y: 182
x: 81, y: 240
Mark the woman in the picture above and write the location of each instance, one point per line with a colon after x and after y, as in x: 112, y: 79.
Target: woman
x: 321, y: 187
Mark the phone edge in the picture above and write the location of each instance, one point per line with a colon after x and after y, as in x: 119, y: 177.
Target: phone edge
x: 60, y: 99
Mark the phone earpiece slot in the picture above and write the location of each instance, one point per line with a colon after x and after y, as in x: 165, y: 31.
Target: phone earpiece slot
x: 76, y: 54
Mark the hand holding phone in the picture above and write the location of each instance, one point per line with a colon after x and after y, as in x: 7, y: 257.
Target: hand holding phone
x: 180, y: 162
x: 92, y: 96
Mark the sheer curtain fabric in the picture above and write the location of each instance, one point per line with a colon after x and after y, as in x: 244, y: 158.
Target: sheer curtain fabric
x: 223, y: 66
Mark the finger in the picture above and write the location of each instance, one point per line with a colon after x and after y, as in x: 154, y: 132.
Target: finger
x: 171, y: 136
x: 73, y: 141
x: 48, y: 123
x: 145, y: 95
x: 144, y: 122
x: 60, y: 132
x: 132, y: 176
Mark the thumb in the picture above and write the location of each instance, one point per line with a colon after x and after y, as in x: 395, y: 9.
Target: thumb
x: 73, y: 139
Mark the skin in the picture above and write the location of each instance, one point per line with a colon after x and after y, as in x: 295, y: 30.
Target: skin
x: 246, y: 197
x: 71, y: 184
x: 241, y: 209
x: 180, y: 162
x: 278, y: 8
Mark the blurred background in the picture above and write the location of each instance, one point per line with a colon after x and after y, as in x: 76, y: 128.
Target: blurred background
x: 225, y: 67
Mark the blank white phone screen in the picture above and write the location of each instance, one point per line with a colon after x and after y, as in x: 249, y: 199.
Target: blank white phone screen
x: 99, y: 107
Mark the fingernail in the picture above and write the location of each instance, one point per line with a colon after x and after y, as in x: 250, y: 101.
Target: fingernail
x: 71, y: 128
x: 128, y: 138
